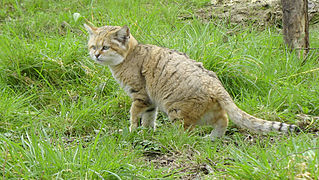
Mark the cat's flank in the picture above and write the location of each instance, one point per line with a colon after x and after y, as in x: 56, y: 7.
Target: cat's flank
x: 158, y: 78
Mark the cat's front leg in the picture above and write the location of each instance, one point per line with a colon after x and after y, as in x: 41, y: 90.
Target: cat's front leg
x: 138, y: 107
x: 149, y: 117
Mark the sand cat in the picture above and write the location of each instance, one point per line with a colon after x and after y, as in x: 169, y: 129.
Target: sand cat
x: 158, y: 78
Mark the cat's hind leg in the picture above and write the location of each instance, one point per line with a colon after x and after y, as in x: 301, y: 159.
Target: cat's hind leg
x: 182, y: 116
x: 220, y: 123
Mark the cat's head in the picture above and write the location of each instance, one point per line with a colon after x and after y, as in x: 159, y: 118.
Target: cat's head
x: 109, y: 45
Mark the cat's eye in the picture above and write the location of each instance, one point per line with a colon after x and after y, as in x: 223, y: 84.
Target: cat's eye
x: 93, y: 47
x: 105, y: 48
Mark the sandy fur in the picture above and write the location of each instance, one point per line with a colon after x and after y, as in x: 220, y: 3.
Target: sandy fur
x: 160, y: 78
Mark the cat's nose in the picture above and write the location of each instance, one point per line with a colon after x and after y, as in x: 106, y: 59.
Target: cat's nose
x: 97, y: 56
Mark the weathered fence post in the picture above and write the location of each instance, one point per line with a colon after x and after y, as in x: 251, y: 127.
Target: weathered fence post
x: 296, y: 25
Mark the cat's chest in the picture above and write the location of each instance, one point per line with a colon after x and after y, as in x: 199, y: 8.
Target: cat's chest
x: 130, y: 81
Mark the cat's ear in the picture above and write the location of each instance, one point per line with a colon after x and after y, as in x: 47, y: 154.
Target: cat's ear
x: 122, y: 35
x: 90, y: 29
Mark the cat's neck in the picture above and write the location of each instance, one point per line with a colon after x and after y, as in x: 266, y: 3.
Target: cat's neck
x: 132, y: 44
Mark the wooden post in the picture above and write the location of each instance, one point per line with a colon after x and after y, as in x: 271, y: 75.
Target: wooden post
x: 296, y: 25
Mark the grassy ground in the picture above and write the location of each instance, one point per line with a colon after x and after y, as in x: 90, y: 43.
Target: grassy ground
x: 64, y: 117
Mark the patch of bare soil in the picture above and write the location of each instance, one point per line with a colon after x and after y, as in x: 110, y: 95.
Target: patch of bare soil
x: 182, y: 165
x: 260, y: 13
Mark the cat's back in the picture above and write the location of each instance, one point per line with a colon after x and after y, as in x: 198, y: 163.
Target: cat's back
x: 172, y: 76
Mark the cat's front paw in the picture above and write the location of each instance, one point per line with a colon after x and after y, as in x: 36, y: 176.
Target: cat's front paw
x: 133, y: 127
x: 212, y: 139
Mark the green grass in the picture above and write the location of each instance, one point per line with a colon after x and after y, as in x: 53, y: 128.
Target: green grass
x: 63, y: 116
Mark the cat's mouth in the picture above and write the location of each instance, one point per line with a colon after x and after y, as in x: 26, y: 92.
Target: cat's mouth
x: 99, y: 59
x: 113, y: 59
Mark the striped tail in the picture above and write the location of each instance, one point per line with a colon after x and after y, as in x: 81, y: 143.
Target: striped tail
x: 252, y: 123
